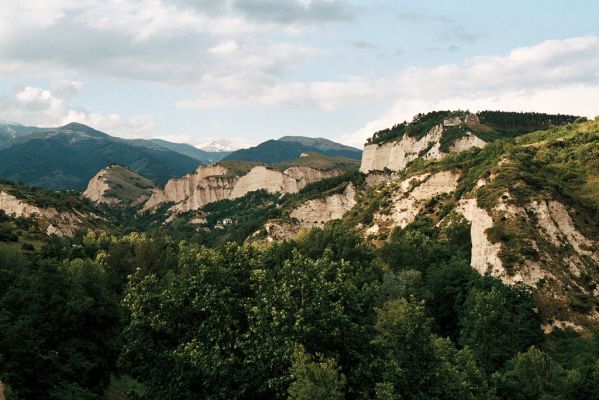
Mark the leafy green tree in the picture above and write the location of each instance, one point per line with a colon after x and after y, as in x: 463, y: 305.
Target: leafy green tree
x: 419, y: 365
x: 322, y: 304
x: 499, y: 322
x: 183, y: 339
x: 534, y: 375
x: 318, y: 379
x: 59, y: 327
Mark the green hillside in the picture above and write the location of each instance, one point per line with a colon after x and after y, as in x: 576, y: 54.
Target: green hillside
x: 286, y: 149
x: 126, y: 186
x: 67, y: 157
x: 325, y: 145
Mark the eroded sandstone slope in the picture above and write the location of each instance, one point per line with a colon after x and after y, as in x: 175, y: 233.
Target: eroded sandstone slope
x: 217, y: 182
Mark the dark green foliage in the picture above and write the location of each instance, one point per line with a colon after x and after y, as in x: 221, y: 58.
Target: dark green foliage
x: 420, y: 125
x: 67, y: 157
x: 497, y: 321
x: 534, y: 375
x: 516, y: 123
x: 315, y: 379
x: 450, y: 135
x: 59, y: 327
x: 417, y: 364
x: 61, y: 200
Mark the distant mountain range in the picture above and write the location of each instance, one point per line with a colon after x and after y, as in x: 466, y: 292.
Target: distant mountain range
x: 291, y: 147
x: 67, y: 157
x: 193, y: 152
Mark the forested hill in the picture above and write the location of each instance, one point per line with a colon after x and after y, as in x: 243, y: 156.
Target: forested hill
x: 468, y: 276
x: 67, y: 157
x: 290, y: 148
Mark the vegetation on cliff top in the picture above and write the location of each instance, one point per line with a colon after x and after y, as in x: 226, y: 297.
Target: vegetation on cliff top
x: 493, y: 125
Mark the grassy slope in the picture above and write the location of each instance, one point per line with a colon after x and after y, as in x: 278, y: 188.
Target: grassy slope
x: 126, y: 185
x: 560, y: 163
x: 313, y: 160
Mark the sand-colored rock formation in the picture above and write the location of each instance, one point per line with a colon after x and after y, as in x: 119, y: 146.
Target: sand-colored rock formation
x: 485, y: 255
x: 311, y: 214
x: 97, y: 188
x: 117, y: 185
x: 467, y: 142
x: 318, y: 212
x: 216, y: 182
x: 63, y: 223
x: 396, y: 155
x: 410, y: 198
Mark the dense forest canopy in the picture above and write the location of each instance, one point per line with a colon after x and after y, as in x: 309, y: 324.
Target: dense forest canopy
x: 325, y: 316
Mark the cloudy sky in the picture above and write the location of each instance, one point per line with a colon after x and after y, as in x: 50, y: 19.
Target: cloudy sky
x: 250, y: 70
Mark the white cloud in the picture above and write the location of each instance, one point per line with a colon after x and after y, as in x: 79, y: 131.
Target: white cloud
x: 40, y: 107
x: 165, y: 41
x: 560, y: 76
x: 224, y: 48
x: 66, y: 88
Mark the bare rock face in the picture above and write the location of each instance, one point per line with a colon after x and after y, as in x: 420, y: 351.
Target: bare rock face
x: 215, y: 182
x: 485, y: 255
x: 117, y: 185
x: 318, y: 212
x: 467, y: 142
x: 97, y: 188
x: 207, y: 184
x: 397, y: 154
x: 411, y: 196
x: 63, y: 223
x: 311, y: 214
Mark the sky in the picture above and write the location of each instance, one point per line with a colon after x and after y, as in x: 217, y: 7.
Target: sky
x: 250, y: 70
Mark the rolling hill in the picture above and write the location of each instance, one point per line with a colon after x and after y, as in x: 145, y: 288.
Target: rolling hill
x: 290, y: 148
x: 67, y: 157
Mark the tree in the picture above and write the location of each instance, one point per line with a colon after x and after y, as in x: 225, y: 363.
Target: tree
x: 499, y: 322
x: 324, y: 305
x: 318, y: 379
x: 59, y: 327
x: 185, y: 330
x: 419, y: 365
x: 534, y: 375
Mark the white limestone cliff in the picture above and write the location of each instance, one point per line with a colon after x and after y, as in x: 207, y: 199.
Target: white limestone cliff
x: 396, y: 155
x: 216, y: 182
x: 63, y: 223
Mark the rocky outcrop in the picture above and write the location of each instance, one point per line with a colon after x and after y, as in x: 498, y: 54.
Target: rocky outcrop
x: 216, y: 182
x: 396, y: 155
x: 117, y: 185
x: 97, y: 188
x: 318, y: 212
x: 485, y: 255
x: 63, y: 223
x: 467, y: 142
x: 411, y: 196
x: 311, y: 214
x: 207, y: 184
